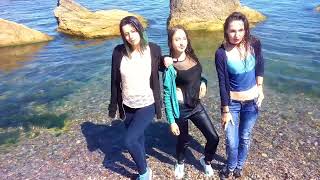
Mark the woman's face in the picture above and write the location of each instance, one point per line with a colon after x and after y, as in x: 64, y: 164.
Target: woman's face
x: 236, y: 31
x: 131, y: 35
x: 179, y: 41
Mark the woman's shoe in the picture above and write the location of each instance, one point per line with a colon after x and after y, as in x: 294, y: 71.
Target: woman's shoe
x: 237, y: 173
x: 179, y: 171
x: 207, y: 167
x: 225, y: 173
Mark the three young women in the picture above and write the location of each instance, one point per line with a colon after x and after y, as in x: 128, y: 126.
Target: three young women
x: 135, y: 91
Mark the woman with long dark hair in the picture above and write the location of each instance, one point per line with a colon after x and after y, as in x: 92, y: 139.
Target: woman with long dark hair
x: 186, y: 77
x: 240, y: 68
x: 135, y: 88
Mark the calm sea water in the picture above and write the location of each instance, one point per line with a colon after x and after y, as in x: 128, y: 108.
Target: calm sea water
x: 70, y: 75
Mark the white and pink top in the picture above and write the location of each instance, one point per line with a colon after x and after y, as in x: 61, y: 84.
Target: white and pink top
x: 135, y: 76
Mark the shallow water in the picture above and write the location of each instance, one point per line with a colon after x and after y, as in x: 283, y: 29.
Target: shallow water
x: 72, y: 76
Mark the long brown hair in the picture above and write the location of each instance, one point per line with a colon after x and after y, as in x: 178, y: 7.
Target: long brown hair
x: 189, y: 50
x: 238, y: 16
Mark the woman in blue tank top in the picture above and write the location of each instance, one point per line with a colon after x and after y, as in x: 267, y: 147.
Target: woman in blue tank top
x: 240, y: 68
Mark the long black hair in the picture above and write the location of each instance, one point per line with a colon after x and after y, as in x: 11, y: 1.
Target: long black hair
x: 189, y: 50
x: 134, y: 22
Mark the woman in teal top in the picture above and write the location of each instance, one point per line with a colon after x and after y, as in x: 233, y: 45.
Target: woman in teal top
x: 170, y: 95
x: 183, y: 102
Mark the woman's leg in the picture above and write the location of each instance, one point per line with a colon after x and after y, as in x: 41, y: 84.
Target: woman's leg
x: 203, y: 122
x: 135, y: 134
x: 232, y: 138
x: 183, y: 139
x: 248, y: 117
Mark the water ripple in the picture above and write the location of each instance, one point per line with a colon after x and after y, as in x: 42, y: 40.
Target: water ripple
x: 60, y: 69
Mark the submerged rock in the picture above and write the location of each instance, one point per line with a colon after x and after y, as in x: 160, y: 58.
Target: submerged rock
x: 12, y: 34
x: 208, y: 14
x: 76, y: 20
x: 14, y: 57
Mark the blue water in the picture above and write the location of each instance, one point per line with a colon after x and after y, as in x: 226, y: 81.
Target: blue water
x: 70, y: 75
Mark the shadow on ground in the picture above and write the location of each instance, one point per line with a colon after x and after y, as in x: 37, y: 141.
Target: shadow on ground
x: 160, y: 144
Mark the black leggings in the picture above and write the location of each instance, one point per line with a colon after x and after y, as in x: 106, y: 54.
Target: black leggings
x: 201, y: 120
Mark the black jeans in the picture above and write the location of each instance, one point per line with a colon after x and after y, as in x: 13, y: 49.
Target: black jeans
x: 201, y: 120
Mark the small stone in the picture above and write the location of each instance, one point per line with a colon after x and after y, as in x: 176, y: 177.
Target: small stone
x: 301, y: 142
x: 309, y: 113
x: 264, y: 155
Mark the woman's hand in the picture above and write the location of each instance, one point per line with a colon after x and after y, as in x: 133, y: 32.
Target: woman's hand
x: 175, y: 129
x: 168, y: 61
x: 226, y: 117
x: 260, y: 95
x: 203, y: 90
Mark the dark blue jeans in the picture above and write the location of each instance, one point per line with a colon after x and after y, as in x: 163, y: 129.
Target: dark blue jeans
x: 202, y: 121
x: 238, y: 136
x: 136, y: 121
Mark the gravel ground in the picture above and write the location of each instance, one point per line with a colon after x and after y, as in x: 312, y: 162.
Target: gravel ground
x: 285, y: 145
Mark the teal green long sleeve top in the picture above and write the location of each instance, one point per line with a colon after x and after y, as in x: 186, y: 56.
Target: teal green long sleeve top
x: 170, y: 95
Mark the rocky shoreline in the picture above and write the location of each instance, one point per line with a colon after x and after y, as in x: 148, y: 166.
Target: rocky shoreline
x: 285, y: 145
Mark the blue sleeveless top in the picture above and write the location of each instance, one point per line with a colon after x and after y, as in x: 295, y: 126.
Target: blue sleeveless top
x: 242, y: 75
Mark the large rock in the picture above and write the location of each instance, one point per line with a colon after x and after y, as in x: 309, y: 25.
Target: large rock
x: 208, y: 14
x: 12, y: 34
x: 76, y: 20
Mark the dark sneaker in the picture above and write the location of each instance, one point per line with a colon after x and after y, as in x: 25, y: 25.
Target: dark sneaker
x: 225, y: 173
x: 237, y: 173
